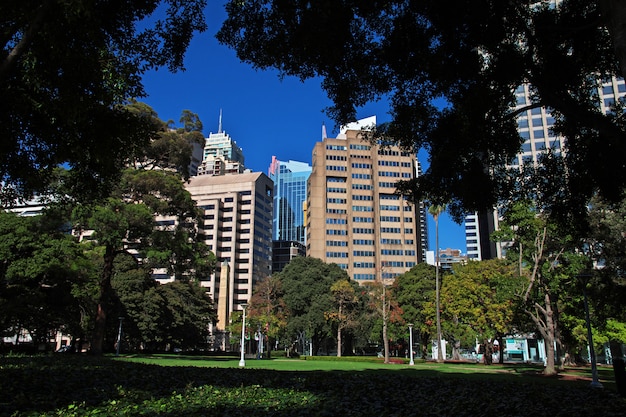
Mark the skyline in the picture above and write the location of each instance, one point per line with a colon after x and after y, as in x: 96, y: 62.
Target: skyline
x: 265, y: 115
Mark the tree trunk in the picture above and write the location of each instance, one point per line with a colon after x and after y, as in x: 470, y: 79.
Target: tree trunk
x: 488, y: 355
x: 99, y: 331
x: 618, y: 367
x: 549, y: 338
x: 440, y: 353
x: 386, y: 342
x: 339, y: 342
x: 456, y: 351
x: 339, y: 330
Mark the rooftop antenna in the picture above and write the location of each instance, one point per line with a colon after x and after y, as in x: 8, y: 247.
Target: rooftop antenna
x: 219, y: 126
x: 324, y: 131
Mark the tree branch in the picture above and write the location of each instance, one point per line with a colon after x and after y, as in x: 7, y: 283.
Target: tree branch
x: 9, y: 62
x: 536, y: 257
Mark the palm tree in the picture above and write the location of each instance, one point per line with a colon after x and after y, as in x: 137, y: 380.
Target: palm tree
x: 435, y: 210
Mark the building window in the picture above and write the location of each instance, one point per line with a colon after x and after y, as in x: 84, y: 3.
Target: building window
x: 336, y: 254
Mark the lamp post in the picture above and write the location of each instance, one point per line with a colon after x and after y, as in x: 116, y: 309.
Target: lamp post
x: 242, y: 361
x: 119, y: 337
x: 411, y: 362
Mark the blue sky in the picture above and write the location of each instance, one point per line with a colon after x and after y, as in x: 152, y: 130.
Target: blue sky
x: 265, y: 115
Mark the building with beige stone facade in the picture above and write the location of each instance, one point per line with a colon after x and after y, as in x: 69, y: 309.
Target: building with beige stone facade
x: 237, y: 227
x: 354, y: 217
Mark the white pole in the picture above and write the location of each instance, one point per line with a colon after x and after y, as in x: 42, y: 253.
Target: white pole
x: 411, y: 362
x: 242, y: 361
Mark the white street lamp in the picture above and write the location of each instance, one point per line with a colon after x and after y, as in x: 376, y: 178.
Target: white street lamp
x: 242, y: 361
x: 119, y: 337
x: 411, y: 362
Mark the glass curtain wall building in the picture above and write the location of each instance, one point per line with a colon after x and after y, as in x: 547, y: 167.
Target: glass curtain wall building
x: 290, y: 191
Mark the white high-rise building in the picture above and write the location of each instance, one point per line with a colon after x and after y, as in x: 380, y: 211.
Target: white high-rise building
x: 221, y: 155
x: 237, y: 227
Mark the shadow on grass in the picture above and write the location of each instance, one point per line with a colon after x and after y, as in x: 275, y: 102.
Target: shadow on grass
x: 41, y: 385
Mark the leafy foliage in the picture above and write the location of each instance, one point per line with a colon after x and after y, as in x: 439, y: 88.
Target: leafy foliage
x: 415, y: 292
x: 158, y: 316
x: 547, y: 255
x: 479, y: 300
x: 306, y: 284
x: 344, y: 313
x: 451, y: 79
x: 66, y: 71
x: 267, y: 309
x: 41, y: 269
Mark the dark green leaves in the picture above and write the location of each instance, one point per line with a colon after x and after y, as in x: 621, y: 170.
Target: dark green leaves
x: 66, y: 70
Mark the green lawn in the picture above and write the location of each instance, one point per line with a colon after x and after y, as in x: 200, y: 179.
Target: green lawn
x: 164, y: 385
x: 366, y: 363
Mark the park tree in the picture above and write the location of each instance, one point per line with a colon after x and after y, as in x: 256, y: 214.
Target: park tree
x: 189, y: 311
x: 479, y: 300
x: 435, y: 210
x: 546, y: 255
x: 415, y: 293
x: 170, y: 147
x: 387, y: 312
x: 136, y: 299
x: 156, y: 317
x: 605, y: 244
x: 148, y: 214
x: 67, y: 69
x: 114, y: 223
x: 125, y: 223
x: 267, y: 309
x: 41, y: 271
x: 343, y: 314
x: 306, y: 284
x: 450, y: 81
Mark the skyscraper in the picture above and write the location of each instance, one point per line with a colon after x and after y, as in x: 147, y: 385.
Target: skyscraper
x: 354, y: 217
x: 221, y: 155
x: 237, y: 227
x: 290, y: 180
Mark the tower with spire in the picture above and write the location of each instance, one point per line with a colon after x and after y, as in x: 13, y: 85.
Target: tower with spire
x: 221, y: 154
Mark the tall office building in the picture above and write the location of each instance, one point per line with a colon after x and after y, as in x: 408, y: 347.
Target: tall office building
x: 354, y: 217
x: 237, y: 227
x: 221, y: 155
x: 288, y: 230
x: 290, y: 179
x: 534, y: 125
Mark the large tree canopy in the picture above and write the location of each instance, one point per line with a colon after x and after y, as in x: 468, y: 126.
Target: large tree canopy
x: 306, y: 284
x: 66, y: 69
x: 450, y: 71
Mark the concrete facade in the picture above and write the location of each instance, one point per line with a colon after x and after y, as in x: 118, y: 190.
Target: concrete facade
x: 237, y: 227
x: 354, y: 217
